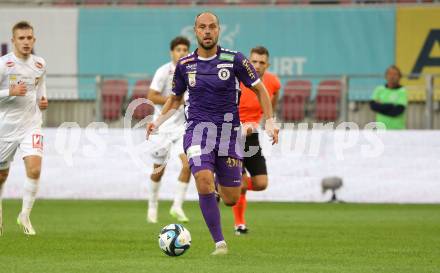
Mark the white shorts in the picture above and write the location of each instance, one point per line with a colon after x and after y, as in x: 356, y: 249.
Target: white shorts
x: 163, y: 143
x: 31, y: 144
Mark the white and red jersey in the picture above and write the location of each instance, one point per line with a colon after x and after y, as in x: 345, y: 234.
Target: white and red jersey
x: 19, y: 115
x: 162, y: 82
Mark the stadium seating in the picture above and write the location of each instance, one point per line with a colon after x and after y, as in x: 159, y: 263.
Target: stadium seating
x: 128, y: 2
x: 295, y: 100
x: 96, y: 2
x: 212, y: 2
x: 327, y: 100
x: 183, y: 2
x: 140, y: 90
x: 65, y: 2
x: 113, y: 94
x: 225, y: 2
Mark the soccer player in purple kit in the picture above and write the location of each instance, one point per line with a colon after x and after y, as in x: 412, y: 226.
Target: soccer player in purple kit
x: 212, y: 76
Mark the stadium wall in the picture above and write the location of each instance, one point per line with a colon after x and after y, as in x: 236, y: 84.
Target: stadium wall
x: 381, y: 167
x: 320, y: 41
x: 302, y: 40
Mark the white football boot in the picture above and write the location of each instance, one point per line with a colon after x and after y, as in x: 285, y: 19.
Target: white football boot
x: 220, y: 249
x: 25, y: 223
x: 178, y: 213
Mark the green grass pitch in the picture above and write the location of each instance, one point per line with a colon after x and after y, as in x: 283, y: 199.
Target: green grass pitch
x: 113, y: 236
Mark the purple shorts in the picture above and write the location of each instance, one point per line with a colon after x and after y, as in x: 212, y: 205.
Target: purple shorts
x: 227, y: 169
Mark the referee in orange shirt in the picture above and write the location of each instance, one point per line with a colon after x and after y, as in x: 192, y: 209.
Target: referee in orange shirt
x: 250, y: 115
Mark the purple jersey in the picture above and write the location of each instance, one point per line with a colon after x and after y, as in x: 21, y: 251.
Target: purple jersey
x: 213, y: 87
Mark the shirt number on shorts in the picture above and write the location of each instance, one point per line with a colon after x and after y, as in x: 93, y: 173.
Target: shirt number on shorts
x: 37, y: 141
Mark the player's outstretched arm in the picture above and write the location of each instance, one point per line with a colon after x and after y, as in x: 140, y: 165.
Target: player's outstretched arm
x: 266, y: 106
x: 171, y: 105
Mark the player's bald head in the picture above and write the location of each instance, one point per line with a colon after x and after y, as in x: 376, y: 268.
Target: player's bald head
x: 206, y: 15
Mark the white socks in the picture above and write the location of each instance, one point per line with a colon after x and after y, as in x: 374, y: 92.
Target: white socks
x: 29, y: 192
x: 182, y: 187
x: 154, y: 194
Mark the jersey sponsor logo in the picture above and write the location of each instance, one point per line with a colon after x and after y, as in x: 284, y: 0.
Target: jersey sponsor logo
x: 233, y: 162
x: 37, y: 141
x: 191, y: 66
x: 38, y: 65
x: 246, y: 65
x: 192, y: 79
x: 187, y: 60
x: 10, y: 64
x: 225, y: 65
x: 194, y: 151
x: 12, y: 79
x: 224, y: 74
x: 226, y: 57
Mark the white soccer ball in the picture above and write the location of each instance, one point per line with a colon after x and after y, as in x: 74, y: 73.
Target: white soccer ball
x: 174, y: 239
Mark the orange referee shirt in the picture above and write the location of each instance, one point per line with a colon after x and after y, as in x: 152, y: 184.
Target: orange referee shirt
x: 249, y: 108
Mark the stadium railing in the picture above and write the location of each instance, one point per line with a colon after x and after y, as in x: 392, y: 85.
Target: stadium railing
x: 303, y: 99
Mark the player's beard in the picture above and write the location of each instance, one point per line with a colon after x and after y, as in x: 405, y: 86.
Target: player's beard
x: 214, y: 43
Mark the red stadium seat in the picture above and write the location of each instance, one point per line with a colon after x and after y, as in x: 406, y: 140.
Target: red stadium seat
x: 213, y: 2
x: 295, y: 99
x: 254, y: 2
x: 291, y: 2
x: 140, y: 90
x: 127, y: 2
x: 95, y: 2
x: 113, y: 94
x: 64, y: 2
x: 184, y: 2
x: 327, y: 100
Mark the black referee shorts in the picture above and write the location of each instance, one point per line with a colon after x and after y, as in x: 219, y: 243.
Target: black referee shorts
x: 256, y: 164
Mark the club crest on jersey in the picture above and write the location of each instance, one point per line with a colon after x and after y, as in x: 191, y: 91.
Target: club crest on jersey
x: 10, y: 64
x: 37, y: 141
x: 224, y: 74
x: 38, y: 65
x: 192, y: 79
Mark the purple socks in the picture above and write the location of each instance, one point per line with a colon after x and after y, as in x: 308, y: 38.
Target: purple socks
x: 211, y: 213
